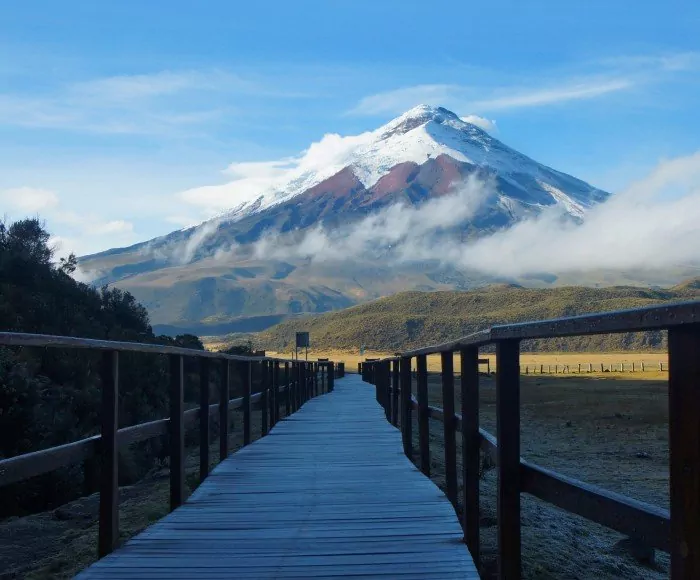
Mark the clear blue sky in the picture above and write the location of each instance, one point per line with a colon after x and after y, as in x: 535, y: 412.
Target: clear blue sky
x: 109, y: 110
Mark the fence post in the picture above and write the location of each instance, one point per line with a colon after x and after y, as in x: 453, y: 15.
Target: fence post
x: 331, y: 376
x: 406, y: 429
x: 264, y: 426
x: 177, y: 431
x: 287, y: 390
x: 109, y: 451
x: 245, y: 369
x: 684, y: 449
x: 298, y: 393
x: 448, y: 403
x: 203, y: 418
x: 223, y: 409
x: 395, y: 393
x: 508, y: 435
x: 278, y: 384
x: 469, y: 387
x: 423, y: 413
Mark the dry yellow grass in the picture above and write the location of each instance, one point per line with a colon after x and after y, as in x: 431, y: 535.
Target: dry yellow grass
x: 532, y: 362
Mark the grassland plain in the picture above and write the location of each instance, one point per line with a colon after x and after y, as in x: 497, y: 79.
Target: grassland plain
x: 416, y: 319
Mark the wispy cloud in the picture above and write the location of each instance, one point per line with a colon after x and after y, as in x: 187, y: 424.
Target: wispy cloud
x: 155, y: 103
x: 613, y: 75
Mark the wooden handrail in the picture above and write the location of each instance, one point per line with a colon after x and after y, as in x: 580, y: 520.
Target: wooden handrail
x: 301, y: 385
x: 676, y: 531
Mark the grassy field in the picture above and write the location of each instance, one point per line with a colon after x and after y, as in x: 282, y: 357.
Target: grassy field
x: 609, y: 431
x: 533, y: 361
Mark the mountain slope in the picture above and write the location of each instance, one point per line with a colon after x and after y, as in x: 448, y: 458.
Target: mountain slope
x: 413, y: 319
x: 221, y: 272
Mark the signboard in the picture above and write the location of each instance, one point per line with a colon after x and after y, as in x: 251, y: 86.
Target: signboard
x: 303, y: 340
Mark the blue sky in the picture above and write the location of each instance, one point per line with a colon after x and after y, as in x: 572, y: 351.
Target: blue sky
x: 109, y: 111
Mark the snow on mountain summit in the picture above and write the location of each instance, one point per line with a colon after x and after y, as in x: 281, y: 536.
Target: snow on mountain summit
x: 420, y: 133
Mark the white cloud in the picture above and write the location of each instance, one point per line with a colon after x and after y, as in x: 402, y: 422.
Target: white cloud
x: 650, y: 226
x: 400, y: 100
x: 29, y: 200
x: 550, y: 95
x: 482, y: 122
x: 255, y: 179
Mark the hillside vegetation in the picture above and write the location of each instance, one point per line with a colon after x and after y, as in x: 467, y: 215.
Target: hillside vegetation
x: 412, y: 319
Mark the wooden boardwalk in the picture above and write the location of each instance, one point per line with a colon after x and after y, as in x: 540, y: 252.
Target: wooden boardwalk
x: 327, y: 494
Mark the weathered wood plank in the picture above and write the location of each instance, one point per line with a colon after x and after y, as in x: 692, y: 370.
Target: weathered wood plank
x: 328, y: 493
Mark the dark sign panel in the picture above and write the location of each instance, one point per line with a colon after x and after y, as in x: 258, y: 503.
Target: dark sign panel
x: 302, y: 339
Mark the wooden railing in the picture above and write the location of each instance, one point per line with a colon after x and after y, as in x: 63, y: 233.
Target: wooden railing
x: 676, y: 532
x: 283, y: 382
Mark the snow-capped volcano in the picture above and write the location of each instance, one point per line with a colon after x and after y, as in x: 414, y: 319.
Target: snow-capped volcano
x: 422, y: 133
x: 345, y: 189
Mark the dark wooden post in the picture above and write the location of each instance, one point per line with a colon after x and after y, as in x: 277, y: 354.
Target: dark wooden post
x: 177, y: 431
x: 245, y: 368
x: 223, y: 408
x: 316, y: 386
x: 278, y: 385
x: 109, y: 451
x: 406, y: 428
x: 448, y: 402
x: 298, y: 377
x: 203, y: 418
x: 684, y: 447
x: 395, y: 393
x: 469, y: 385
x: 508, y: 435
x: 271, y: 381
x: 331, y: 376
x: 264, y: 427
x: 287, y: 391
x: 423, y: 413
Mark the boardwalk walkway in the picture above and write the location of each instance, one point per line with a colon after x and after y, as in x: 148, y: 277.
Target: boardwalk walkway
x: 327, y: 494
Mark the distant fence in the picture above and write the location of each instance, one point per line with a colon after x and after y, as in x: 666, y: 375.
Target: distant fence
x: 283, y: 382
x: 676, y: 532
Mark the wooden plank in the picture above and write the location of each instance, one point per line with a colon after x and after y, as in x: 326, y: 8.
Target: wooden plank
x: 469, y: 395
x: 508, y: 434
x: 108, y: 535
x: 450, y: 437
x: 684, y: 448
x: 177, y: 431
x: 224, y: 387
x: 310, y: 500
x: 203, y: 419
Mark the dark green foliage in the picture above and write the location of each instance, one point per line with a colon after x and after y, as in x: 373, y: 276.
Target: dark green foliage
x: 52, y: 396
x: 414, y: 319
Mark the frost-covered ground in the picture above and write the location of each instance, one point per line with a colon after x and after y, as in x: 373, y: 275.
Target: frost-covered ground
x: 609, y: 432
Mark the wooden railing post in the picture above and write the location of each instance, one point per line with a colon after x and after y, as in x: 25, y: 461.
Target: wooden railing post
x: 395, y: 393
x: 272, y: 382
x: 684, y: 447
x: 331, y: 377
x: 245, y: 369
x: 448, y: 403
x: 298, y: 377
x: 264, y: 397
x: 508, y: 435
x: 177, y: 431
x: 406, y: 428
x: 223, y: 408
x: 469, y: 390
x: 109, y: 476
x: 287, y: 391
x: 423, y: 413
x: 203, y: 418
